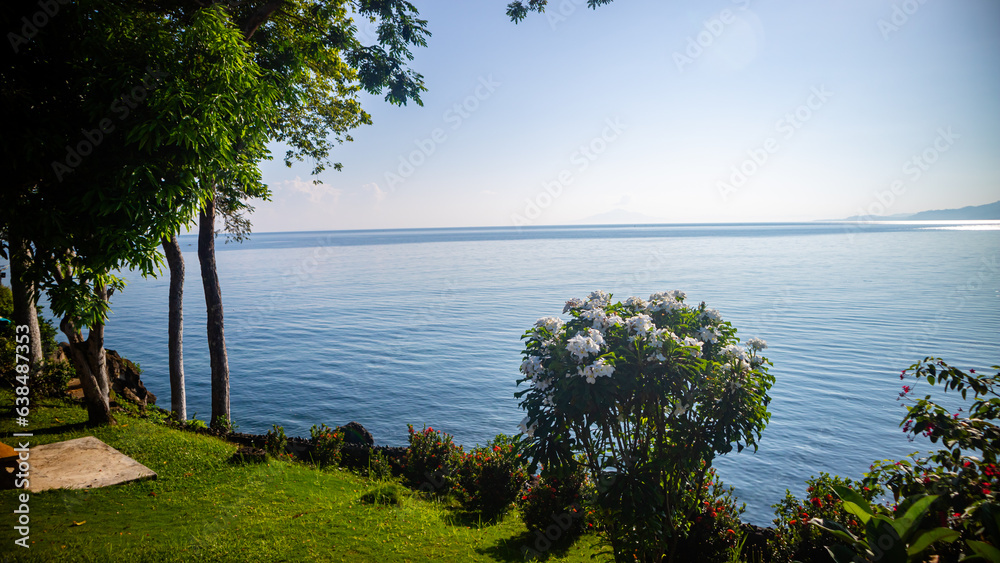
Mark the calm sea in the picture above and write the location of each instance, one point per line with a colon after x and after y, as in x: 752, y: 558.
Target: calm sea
x: 424, y: 326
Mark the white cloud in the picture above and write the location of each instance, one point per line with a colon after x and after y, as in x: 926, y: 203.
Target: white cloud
x: 376, y: 191
x: 316, y: 192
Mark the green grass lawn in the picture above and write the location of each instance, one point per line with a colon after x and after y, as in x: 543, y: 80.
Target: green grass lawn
x: 201, y: 508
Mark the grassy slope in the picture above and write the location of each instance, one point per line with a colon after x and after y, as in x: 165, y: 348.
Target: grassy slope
x: 202, y: 509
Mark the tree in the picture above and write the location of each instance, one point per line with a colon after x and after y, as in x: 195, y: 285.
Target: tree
x: 318, y: 65
x: 518, y: 10
x: 24, y: 295
x: 175, y: 327
x: 161, y: 103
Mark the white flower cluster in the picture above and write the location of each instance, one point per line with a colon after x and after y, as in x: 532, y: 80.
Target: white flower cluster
x: 640, y: 326
x: 598, y: 300
x: 585, y: 343
x: 525, y: 429
x: 666, y: 301
x: 712, y: 315
x: 600, y: 319
x: 532, y: 366
x: 709, y: 335
x: 637, y: 303
x: 688, y: 341
x: 573, y: 349
x: 552, y: 324
x: 573, y: 304
x: 734, y: 351
x: 600, y: 368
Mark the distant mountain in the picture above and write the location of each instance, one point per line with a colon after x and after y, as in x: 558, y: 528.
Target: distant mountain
x: 990, y: 211
x: 972, y: 212
x: 619, y: 217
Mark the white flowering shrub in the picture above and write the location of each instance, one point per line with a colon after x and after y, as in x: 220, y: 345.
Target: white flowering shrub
x: 646, y: 394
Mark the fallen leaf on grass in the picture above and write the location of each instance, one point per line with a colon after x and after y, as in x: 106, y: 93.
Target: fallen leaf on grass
x: 80, y: 523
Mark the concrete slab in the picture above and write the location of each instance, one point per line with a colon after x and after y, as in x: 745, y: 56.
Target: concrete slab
x: 83, y: 463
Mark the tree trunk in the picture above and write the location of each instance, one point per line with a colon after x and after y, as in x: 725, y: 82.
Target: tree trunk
x: 91, y: 367
x: 175, y: 329
x: 216, y: 333
x: 23, y: 290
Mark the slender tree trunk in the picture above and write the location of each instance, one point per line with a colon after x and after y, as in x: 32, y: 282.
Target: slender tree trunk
x: 175, y: 330
x: 90, y: 361
x: 216, y: 332
x: 23, y: 290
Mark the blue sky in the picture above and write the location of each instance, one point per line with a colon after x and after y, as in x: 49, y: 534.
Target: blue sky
x: 682, y: 111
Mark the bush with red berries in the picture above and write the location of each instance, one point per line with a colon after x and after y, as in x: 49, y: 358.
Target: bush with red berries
x: 430, y: 460
x: 490, y: 478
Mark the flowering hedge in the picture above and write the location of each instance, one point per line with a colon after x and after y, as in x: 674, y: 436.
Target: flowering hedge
x: 430, y: 460
x: 489, y: 478
x: 648, y: 392
x: 963, y: 474
x: 795, y: 538
x: 327, y: 443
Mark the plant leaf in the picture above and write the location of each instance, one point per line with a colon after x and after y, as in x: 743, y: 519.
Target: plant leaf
x: 985, y: 550
x: 925, y: 539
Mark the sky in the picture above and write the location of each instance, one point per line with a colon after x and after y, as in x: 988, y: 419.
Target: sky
x: 676, y: 111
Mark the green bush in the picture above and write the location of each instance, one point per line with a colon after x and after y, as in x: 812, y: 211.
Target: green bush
x: 275, y: 441
x: 795, y: 539
x: 963, y: 474
x: 51, y: 380
x: 887, y: 537
x: 378, y: 468
x: 712, y: 537
x: 551, y: 500
x: 489, y: 478
x: 46, y: 380
x: 649, y: 392
x: 326, y: 443
x: 430, y: 460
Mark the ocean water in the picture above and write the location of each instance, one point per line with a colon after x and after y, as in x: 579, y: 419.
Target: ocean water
x: 423, y: 326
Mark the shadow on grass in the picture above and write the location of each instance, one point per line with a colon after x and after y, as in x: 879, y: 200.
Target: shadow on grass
x: 473, y: 519
x: 528, y: 546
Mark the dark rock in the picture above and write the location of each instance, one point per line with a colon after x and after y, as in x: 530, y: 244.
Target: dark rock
x: 755, y: 548
x: 124, y: 378
x: 354, y: 433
